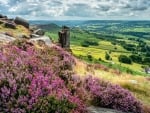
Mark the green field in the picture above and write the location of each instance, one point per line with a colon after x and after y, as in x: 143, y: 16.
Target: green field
x: 113, y: 39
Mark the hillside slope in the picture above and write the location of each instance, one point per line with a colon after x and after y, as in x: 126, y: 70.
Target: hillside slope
x: 41, y: 78
x: 98, y: 45
x: 16, y: 28
x: 50, y: 27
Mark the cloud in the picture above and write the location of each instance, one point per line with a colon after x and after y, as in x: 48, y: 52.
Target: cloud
x: 80, y: 10
x: 96, y: 9
x: 3, y: 2
x: 138, y: 5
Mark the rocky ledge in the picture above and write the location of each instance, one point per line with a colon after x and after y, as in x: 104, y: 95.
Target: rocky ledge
x: 34, y: 34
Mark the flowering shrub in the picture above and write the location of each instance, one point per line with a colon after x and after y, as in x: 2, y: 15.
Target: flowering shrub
x: 52, y: 105
x: 31, y: 80
x: 112, y: 96
x: 41, y: 80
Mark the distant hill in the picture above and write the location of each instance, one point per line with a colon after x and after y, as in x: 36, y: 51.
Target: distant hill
x: 50, y: 27
x: 70, y: 23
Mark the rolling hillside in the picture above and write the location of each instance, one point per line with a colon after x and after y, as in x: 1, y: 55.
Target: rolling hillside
x: 113, y: 37
x: 45, y: 78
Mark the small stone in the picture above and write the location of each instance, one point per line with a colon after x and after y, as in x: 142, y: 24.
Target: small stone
x: 133, y: 81
x: 34, y: 36
x: 42, y: 39
x: 39, y: 32
x: 6, y: 38
x: 10, y: 25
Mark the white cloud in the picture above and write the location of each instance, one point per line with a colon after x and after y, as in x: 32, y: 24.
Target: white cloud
x: 4, y: 2
x: 104, y: 9
x: 13, y: 9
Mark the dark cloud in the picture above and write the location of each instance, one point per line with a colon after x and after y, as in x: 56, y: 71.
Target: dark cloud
x: 81, y: 10
x: 104, y: 8
x: 141, y: 8
x: 57, y: 3
x: 138, y: 5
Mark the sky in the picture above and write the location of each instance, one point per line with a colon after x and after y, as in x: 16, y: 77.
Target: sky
x: 77, y: 9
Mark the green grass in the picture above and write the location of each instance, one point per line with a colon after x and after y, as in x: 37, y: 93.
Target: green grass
x: 134, y: 68
x: 111, y: 65
x: 20, y: 30
x: 53, y: 36
x: 140, y: 29
x: 78, y: 36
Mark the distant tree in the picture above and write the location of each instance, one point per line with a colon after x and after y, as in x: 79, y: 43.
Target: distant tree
x: 110, y: 51
x: 148, y: 48
x: 90, y: 57
x: 129, y: 48
x: 131, y: 38
x: 139, y: 40
x: 87, y: 43
x: 115, y: 48
x: 146, y: 60
x: 107, y: 56
x: 130, y: 45
x: 125, y: 59
x: 147, y: 54
x: 143, y: 49
x: 83, y: 44
x: 136, y: 58
x: 113, y: 43
x: 122, y: 42
x: 99, y: 59
x: 74, y: 37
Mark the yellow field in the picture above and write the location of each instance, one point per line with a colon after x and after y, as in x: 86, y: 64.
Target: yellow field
x: 97, y: 53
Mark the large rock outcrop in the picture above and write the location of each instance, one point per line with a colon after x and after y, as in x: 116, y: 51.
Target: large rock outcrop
x: 21, y: 21
x: 64, y: 37
x: 14, y: 26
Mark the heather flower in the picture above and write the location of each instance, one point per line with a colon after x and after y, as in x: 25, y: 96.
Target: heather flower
x: 42, y: 80
x: 28, y: 76
x: 107, y: 95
